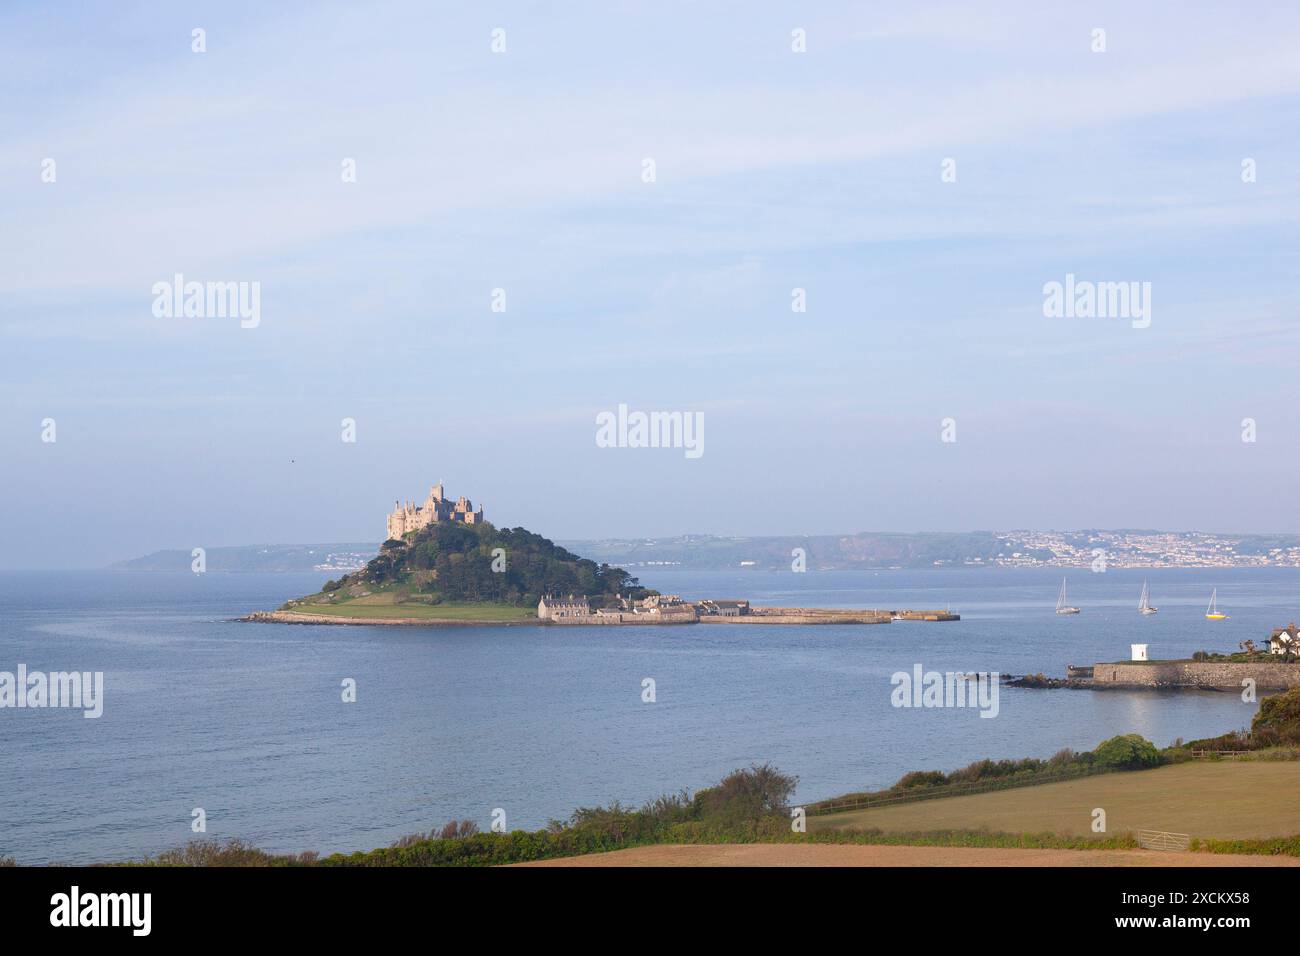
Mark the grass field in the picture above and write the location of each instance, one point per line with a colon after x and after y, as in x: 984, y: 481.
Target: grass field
x: 809, y: 854
x: 1226, y: 800
x: 387, y: 610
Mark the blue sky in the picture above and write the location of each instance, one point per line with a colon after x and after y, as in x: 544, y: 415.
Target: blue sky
x: 522, y: 171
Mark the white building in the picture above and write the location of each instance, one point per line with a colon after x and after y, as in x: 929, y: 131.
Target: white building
x: 1285, y: 640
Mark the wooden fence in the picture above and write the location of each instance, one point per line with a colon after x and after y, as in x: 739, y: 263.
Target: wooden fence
x: 1211, y: 754
x: 1163, y: 840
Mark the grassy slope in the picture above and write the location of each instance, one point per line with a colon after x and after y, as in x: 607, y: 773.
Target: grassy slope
x: 382, y: 604
x: 1227, y: 800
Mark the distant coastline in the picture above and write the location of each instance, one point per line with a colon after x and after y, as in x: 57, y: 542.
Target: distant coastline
x: 259, y: 558
x: 861, y: 551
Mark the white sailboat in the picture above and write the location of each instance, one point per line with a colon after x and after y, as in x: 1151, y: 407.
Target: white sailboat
x: 1061, y: 606
x: 1144, y: 606
x: 1212, y: 613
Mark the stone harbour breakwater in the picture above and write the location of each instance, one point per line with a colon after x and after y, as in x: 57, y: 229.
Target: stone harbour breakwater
x: 1170, y: 675
x: 801, y: 615
x: 1195, y: 674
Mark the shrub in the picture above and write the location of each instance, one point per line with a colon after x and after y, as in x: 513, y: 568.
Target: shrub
x: 1279, y: 715
x: 1062, y: 758
x: 921, y: 778
x: 215, y: 853
x: 746, y: 794
x: 1127, y: 752
x: 1277, y: 846
x: 452, y: 830
x: 669, y: 808
x: 1233, y: 740
x: 994, y: 770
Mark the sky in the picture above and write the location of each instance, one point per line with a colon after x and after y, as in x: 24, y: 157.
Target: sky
x: 920, y: 171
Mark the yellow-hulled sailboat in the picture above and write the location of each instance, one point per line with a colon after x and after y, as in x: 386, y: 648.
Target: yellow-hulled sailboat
x: 1212, y: 613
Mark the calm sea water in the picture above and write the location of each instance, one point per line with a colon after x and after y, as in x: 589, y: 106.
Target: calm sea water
x: 246, y: 720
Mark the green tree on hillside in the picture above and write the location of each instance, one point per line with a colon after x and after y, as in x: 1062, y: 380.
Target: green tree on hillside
x: 457, y: 562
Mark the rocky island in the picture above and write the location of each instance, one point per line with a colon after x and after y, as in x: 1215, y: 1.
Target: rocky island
x: 445, y: 564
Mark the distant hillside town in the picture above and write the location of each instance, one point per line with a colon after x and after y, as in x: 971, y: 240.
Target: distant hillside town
x: 1145, y: 549
x: 894, y: 550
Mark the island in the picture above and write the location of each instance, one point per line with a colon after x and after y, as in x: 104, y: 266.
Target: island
x: 444, y: 563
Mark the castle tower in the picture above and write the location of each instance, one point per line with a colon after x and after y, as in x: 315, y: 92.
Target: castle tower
x: 396, y: 522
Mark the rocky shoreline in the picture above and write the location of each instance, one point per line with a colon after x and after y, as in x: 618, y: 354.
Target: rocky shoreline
x: 1043, y: 682
x: 293, y: 617
x: 771, y: 616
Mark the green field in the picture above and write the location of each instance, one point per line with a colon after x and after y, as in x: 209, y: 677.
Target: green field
x: 1225, y: 800
x: 383, y: 606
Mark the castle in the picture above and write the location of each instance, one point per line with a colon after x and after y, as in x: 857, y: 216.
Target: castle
x: 437, y: 507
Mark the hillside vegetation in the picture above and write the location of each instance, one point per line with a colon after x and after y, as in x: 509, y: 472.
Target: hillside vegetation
x: 451, y: 566
x: 1275, y: 724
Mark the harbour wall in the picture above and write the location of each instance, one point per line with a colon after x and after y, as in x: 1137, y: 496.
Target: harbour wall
x: 764, y: 615
x: 800, y: 616
x: 1208, y: 674
x: 925, y: 615
x: 618, y: 619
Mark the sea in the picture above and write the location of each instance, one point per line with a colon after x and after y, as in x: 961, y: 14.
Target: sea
x: 248, y: 722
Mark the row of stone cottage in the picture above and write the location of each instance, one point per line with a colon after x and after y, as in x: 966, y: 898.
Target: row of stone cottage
x: 655, y: 609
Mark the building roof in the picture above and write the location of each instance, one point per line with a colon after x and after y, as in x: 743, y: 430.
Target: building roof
x: 561, y: 599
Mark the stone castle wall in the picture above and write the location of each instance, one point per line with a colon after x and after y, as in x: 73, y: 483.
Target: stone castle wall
x: 1221, y: 674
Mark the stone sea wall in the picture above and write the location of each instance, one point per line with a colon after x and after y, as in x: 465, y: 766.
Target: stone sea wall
x: 796, y: 616
x: 1156, y: 674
